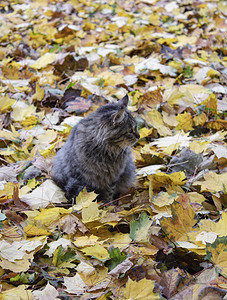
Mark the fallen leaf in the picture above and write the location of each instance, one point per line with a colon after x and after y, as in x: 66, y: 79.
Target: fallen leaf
x: 185, y: 122
x: 179, y: 225
x: 212, y: 182
x: 17, y: 293
x: 121, y: 268
x: 217, y: 254
x: 139, y: 230
x: 6, y: 103
x: 46, y: 193
x: 92, y: 213
x: 64, y: 243
x: 75, y: 285
x: 142, y: 289
x: 97, y: 251
x: 44, y: 61
x: 48, y: 293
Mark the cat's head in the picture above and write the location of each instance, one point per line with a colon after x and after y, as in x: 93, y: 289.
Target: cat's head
x: 118, y: 127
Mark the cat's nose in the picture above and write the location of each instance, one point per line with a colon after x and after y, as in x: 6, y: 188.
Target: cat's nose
x: 137, y: 134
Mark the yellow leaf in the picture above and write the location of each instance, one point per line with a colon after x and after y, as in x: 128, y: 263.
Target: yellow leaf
x: 10, y: 136
x: 184, y: 122
x: 200, y: 120
x: 32, y: 230
x: 172, y: 96
x: 30, y: 121
x: 91, y: 275
x: 196, y: 198
x: 210, y: 103
x: 207, y: 232
x: 146, y: 250
x: 47, y: 138
x: 7, y: 152
x: 21, y: 110
x: 183, y: 95
x: 220, y: 227
x: 198, y: 146
x: 28, y: 141
x: 142, y: 289
x: 84, y: 199
x: 18, y: 293
x: 144, y: 132
x: 177, y: 65
x: 39, y: 95
x: 8, y: 189
x: 47, y: 152
x: 181, y: 223
x: 213, y: 182
x: 121, y: 240
x: 171, y: 148
x: 184, y: 40
x: 88, y: 26
x: 5, y: 103
x: 168, y: 41
x: 49, y: 215
x: 35, y: 227
x: 112, y: 78
x: 44, y: 61
x: 161, y: 179
x: 176, y: 28
x: 154, y: 119
x: 48, y: 31
x: 164, y: 199
x: 218, y: 124
x: 21, y: 265
x: 218, y: 252
x: 135, y: 97
x: 169, y: 119
x: 92, y: 213
x: 212, y: 73
x: 86, y: 241
x: 154, y: 19
x: 97, y: 251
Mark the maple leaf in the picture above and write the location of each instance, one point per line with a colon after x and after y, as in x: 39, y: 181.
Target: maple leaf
x: 139, y: 229
x: 217, y: 254
x: 181, y: 223
x: 141, y: 289
x: 43, y: 195
x: 17, y: 293
x: 75, y: 285
x: 170, y: 60
x: 48, y: 293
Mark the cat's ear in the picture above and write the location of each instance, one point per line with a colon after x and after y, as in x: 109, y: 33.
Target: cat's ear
x: 124, y: 101
x: 119, y: 116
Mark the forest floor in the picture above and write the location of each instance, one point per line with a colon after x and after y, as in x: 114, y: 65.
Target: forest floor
x: 166, y: 238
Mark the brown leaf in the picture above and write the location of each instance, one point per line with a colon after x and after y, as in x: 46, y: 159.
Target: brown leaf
x: 171, y: 280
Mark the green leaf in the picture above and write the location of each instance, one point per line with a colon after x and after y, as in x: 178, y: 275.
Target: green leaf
x: 139, y: 228
x: 116, y: 257
x: 70, y: 85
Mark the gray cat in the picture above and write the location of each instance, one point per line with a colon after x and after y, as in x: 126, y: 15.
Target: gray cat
x: 97, y: 153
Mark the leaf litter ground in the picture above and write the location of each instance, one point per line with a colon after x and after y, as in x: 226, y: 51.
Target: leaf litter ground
x: 61, y: 60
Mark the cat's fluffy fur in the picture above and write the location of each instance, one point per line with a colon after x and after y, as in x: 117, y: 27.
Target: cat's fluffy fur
x: 97, y: 153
